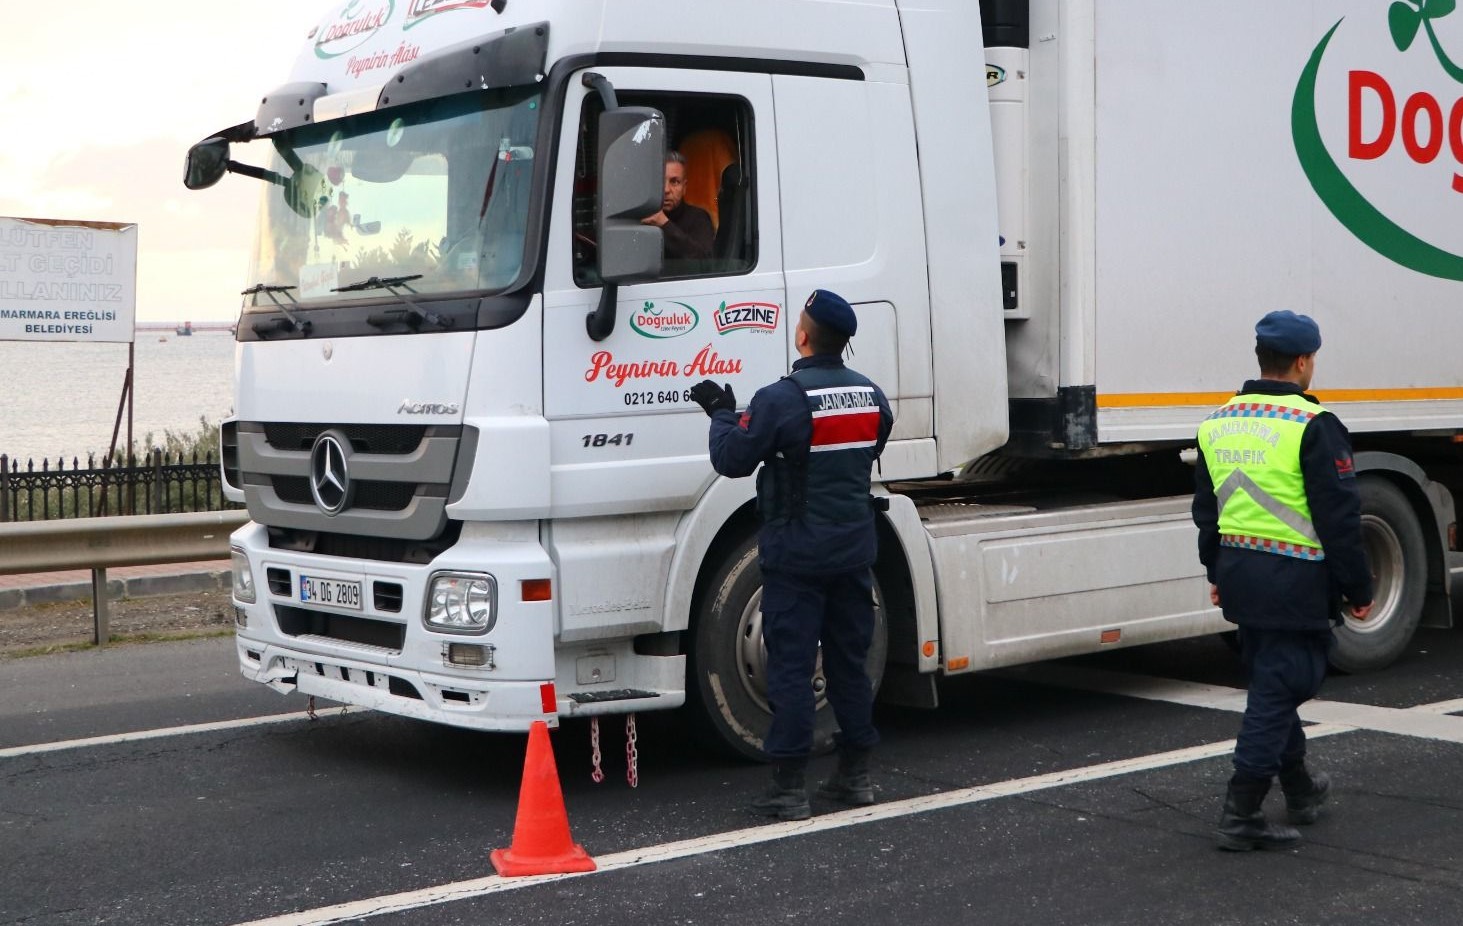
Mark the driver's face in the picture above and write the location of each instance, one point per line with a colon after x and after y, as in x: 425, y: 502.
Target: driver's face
x: 675, y: 186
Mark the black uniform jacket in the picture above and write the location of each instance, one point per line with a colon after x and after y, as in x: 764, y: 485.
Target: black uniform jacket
x: 779, y: 420
x: 1268, y: 590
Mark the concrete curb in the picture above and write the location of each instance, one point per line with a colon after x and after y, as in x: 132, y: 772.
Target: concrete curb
x: 117, y: 589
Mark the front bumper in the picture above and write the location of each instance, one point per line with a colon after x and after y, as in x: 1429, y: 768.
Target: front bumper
x: 389, y: 660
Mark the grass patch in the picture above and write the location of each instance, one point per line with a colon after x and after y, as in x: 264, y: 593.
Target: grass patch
x: 122, y: 639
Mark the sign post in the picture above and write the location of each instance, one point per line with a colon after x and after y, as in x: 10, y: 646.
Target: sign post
x: 66, y: 280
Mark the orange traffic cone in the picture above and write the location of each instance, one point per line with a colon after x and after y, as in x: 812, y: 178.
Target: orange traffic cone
x: 541, y: 841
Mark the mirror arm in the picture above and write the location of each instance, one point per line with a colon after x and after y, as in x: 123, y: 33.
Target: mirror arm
x: 287, y: 153
x: 606, y: 90
x: 258, y: 173
x: 601, y: 322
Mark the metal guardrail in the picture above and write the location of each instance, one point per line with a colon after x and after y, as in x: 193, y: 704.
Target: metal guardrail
x: 99, y: 543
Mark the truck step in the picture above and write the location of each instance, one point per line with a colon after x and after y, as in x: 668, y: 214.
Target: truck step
x: 618, y: 694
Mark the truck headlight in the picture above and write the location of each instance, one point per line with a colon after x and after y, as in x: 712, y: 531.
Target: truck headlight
x: 462, y: 603
x: 243, y: 576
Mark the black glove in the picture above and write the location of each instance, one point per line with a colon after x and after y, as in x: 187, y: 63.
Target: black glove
x: 710, y: 396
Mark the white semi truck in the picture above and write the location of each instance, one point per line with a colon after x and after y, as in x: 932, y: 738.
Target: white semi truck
x: 480, y: 493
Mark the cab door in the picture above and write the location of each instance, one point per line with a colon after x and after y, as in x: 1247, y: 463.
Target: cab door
x: 626, y: 436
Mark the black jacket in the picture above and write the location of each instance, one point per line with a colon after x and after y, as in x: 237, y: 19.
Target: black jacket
x: 689, y: 234
x: 778, y: 420
x: 1258, y: 589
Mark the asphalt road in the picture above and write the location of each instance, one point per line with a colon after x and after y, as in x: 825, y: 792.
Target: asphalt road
x: 1078, y: 792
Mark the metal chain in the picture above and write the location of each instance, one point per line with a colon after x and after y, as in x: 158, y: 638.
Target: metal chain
x: 632, y: 754
x: 598, y: 774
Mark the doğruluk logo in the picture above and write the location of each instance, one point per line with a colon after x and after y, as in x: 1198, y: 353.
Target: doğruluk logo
x: 1423, y: 126
x: 651, y: 322
x: 353, y: 27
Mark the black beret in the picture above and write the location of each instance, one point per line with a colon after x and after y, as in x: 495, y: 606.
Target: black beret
x: 833, y: 312
x: 1288, y: 333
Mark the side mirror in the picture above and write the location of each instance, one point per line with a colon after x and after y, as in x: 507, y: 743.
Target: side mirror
x: 206, y: 164
x: 631, y: 185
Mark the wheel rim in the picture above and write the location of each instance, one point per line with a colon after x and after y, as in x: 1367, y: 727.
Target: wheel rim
x: 1384, y: 553
x: 752, y: 655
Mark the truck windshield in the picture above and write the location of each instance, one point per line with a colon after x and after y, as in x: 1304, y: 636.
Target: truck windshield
x: 439, y: 189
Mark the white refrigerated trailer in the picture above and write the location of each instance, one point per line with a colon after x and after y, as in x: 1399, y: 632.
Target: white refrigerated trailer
x: 479, y: 492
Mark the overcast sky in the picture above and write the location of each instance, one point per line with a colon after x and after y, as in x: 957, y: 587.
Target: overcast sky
x: 99, y: 101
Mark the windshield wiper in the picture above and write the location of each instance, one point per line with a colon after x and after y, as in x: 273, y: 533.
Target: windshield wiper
x: 290, y: 322
x: 397, y: 287
x: 388, y: 283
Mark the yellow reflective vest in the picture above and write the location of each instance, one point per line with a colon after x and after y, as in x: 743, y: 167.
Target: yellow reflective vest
x: 1251, y: 447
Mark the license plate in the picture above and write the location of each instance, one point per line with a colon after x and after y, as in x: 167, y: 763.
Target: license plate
x: 339, y: 593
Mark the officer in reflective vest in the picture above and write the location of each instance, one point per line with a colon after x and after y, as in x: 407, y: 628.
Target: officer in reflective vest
x: 1279, y: 520
x: 816, y: 434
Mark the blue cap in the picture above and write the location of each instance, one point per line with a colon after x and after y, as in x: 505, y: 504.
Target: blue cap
x: 833, y: 312
x: 1288, y: 333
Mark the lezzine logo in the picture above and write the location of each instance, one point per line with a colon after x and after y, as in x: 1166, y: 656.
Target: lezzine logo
x: 1422, y: 125
x: 354, y: 27
x: 652, y: 322
x: 751, y: 316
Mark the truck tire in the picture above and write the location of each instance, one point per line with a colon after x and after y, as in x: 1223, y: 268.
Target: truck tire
x: 727, y: 664
x: 1397, y: 552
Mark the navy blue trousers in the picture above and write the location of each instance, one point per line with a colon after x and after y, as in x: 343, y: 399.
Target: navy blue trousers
x: 1286, y: 669
x: 798, y: 611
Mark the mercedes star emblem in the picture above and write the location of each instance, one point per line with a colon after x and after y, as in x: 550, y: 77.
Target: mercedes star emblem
x: 329, y: 477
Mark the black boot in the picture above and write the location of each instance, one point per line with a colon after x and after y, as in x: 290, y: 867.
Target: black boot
x: 1243, y: 826
x: 850, y: 784
x: 787, y: 797
x: 1305, y: 792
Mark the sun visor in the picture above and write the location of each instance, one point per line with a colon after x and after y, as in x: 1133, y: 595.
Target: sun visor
x: 288, y: 107
x: 514, y: 58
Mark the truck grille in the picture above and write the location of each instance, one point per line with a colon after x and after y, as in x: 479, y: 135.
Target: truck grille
x: 400, y: 477
x: 372, y: 496
x: 364, y: 438
x: 352, y: 546
x: 341, y: 628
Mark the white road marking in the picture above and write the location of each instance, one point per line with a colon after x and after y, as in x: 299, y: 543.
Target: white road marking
x: 1425, y: 721
x: 771, y: 832
x: 13, y: 752
x: 1442, y: 707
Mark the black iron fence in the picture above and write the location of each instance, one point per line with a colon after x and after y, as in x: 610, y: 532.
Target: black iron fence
x: 157, y: 483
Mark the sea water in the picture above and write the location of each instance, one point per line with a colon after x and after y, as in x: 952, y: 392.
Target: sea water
x: 59, y: 400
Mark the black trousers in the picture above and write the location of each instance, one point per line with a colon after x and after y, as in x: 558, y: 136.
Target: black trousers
x: 1286, y: 669
x: 799, y: 611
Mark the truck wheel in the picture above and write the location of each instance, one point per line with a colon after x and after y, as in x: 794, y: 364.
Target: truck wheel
x: 1398, y: 555
x: 728, y: 661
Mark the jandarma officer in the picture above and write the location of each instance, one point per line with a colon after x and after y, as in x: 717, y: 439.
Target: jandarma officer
x: 817, y: 433
x: 1279, y: 520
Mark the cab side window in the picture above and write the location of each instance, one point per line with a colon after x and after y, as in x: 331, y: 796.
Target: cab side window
x: 707, y: 216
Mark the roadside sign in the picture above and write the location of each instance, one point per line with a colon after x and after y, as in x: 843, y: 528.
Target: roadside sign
x: 67, y: 281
